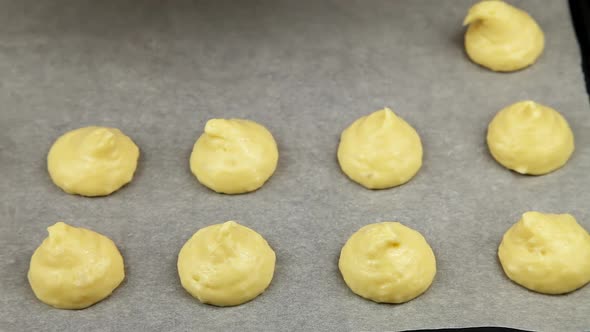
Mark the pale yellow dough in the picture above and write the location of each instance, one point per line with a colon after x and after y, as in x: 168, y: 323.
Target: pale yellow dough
x: 234, y: 156
x: 75, y: 268
x: 387, y: 262
x: 530, y: 138
x: 546, y: 253
x: 226, y: 264
x: 502, y: 37
x: 380, y: 150
x: 92, y: 161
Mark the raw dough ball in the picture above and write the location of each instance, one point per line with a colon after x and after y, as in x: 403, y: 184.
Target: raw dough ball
x: 380, y: 150
x: 92, y: 161
x: 234, y: 156
x: 226, y: 264
x: 546, y: 253
x: 530, y: 138
x: 75, y: 268
x: 387, y: 262
x: 501, y: 37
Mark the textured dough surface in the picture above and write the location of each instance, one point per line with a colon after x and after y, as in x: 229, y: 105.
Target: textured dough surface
x: 234, y: 156
x: 226, y: 264
x: 75, y: 268
x: 92, y: 161
x: 387, y: 262
x: 380, y: 150
x: 502, y: 37
x: 546, y: 253
x: 530, y: 138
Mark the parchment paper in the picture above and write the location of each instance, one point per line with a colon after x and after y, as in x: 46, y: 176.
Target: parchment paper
x: 305, y: 69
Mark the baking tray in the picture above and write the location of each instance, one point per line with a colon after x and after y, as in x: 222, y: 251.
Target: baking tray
x: 305, y: 69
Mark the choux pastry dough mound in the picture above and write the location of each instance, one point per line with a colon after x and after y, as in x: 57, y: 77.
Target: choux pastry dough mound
x: 92, y: 161
x: 75, y: 268
x: 501, y: 37
x: 387, y: 262
x: 546, y: 253
x: 226, y: 264
x: 530, y: 138
x: 234, y: 156
x: 380, y: 150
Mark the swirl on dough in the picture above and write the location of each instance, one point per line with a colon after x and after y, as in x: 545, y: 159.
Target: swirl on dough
x: 380, y: 150
x: 75, y: 268
x: 530, y: 138
x: 234, y: 156
x: 92, y: 161
x: 387, y: 262
x: 226, y: 264
x: 546, y: 253
x: 502, y: 37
